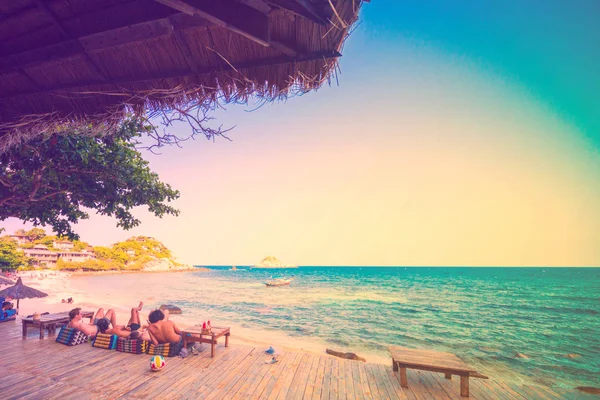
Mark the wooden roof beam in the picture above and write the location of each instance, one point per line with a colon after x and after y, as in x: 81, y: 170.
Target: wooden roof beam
x: 65, y: 89
x: 310, y: 8
x: 303, y: 8
x: 284, y: 48
x: 228, y: 14
x: 67, y: 36
x: 258, y: 5
x: 52, y: 17
x: 101, y: 40
x: 113, y: 17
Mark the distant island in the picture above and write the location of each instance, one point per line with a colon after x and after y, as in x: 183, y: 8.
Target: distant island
x: 35, y: 249
x: 272, y: 262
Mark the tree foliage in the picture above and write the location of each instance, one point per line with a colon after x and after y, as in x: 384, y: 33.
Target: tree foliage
x: 35, y: 234
x: 11, y: 257
x: 131, y: 255
x: 52, y: 180
x: 48, y: 241
x: 87, y: 265
x: 79, y: 246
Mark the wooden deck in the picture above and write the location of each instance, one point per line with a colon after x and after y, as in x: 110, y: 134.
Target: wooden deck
x: 43, y: 369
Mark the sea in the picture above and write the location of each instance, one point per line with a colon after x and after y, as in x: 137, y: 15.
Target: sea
x: 529, y: 325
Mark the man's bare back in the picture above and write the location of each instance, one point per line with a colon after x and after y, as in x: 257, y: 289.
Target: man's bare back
x: 164, y: 332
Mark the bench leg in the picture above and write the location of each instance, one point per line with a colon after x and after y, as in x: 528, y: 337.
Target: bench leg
x: 24, y: 331
x: 213, y: 344
x: 227, y: 340
x: 394, y: 365
x: 464, y: 385
x: 448, y: 375
x: 41, y: 331
x: 403, y: 379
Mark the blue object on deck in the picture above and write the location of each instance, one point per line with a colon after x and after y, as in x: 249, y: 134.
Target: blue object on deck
x: 8, y: 315
x: 270, y: 350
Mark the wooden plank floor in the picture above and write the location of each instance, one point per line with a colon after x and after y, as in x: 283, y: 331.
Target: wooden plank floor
x: 43, y: 369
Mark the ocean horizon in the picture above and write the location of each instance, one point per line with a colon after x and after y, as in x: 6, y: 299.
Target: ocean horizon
x: 253, y: 266
x: 528, y: 324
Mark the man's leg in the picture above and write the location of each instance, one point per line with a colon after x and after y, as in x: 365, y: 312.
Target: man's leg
x: 110, y: 314
x: 135, y: 317
x: 166, y: 313
x: 99, y: 314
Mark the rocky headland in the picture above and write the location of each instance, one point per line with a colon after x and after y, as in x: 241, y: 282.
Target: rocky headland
x: 272, y: 262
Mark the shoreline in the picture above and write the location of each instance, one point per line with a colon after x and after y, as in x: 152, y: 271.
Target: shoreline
x: 91, y: 294
x: 62, y: 285
x: 122, y: 272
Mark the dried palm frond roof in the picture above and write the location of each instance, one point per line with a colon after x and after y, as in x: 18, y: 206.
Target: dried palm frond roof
x: 95, y: 61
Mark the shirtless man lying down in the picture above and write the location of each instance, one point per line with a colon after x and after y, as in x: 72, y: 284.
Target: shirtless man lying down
x: 100, y: 324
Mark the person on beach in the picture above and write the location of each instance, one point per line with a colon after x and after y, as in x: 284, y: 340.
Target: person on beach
x: 100, y: 324
x: 7, y: 309
x: 162, y: 330
x: 133, y: 329
x: 134, y: 321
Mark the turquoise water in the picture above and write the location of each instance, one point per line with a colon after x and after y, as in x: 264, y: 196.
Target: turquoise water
x: 484, y: 315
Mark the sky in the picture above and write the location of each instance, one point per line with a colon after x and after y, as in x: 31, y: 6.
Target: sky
x: 460, y: 133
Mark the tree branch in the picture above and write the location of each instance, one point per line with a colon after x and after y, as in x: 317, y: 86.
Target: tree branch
x: 6, y: 183
x: 196, y: 116
x: 37, y: 181
x: 48, y: 195
x: 5, y: 200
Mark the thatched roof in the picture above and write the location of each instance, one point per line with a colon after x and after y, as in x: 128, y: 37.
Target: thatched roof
x: 96, y: 60
x: 20, y: 291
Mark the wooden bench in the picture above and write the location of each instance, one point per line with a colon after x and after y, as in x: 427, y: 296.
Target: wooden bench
x: 434, y: 361
x: 194, y: 334
x: 50, y: 322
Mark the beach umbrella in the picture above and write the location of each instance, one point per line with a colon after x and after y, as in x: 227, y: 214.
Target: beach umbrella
x: 5, y: 281
x: 20, y: 291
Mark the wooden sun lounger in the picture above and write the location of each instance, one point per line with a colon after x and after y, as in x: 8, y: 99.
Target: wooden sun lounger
x: 50, y: 321
x: 434, y: 361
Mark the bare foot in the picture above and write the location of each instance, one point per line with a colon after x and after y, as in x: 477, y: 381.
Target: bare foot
x: 140, y: 306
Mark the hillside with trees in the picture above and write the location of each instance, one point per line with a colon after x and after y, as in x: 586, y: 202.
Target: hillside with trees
x: 11, y: 258
x: 138, y: 253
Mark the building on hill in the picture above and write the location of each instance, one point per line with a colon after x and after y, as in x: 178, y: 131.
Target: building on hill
x: 63, y: 245
x: 20, y: 239
x: 74, y: 256
x: 141, y: 238
x: 42, y: 257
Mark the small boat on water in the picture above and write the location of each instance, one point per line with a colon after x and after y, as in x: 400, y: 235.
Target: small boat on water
x: 279, y: 282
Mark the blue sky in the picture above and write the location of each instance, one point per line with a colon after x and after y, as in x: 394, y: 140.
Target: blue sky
x: 549, y: 47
